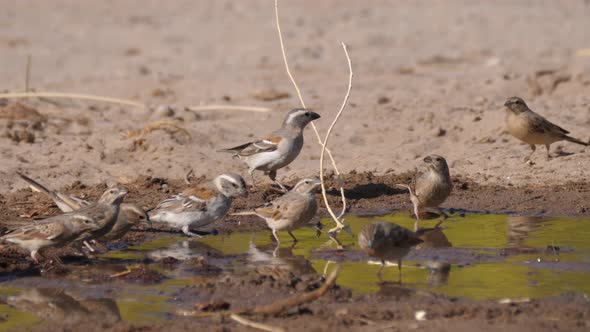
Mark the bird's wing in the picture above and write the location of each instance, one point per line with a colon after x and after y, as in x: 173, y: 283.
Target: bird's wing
x: 286, y: 206
x: 541, y: 125
x: 65, y: 203
x: 267, y: 144
x: 46, y: 230
x: 182, y: 203
x: 403, y: 237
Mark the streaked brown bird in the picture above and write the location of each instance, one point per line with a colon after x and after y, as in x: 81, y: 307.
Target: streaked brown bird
x: 430, y: 189
x: 532, y: 128
x: 61, y: 230
x: 129, y: 215
x: 291, y: 211
x: 387, y: 241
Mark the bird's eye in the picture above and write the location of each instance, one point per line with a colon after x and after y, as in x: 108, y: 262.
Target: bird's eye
x: 234, y: 185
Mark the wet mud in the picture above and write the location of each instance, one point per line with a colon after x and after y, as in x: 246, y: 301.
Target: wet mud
x: 506, y: 264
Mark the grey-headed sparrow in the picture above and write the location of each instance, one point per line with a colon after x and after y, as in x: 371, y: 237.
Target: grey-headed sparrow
x: 387, y: 241
x: 129, y: 214
x: 532, y: 128
x: 63, y: 229
x: 292, y: 210
x: 277, y: 150
x: 199, y: 206
x: 432, y: 188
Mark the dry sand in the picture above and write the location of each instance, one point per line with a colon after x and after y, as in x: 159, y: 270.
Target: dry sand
x: 430, y: 78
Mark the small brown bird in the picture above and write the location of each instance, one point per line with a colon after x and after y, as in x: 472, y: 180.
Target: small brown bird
x: 431, y: 188
x: 532, y: 128
x: 129, y: 215
x: 387, y: 241
x: 61, y: 230
x: 291, y: 211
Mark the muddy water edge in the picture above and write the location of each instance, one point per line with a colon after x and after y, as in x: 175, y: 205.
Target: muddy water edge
x: 462, y: 281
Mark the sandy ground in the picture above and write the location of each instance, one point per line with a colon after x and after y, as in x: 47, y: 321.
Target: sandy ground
x: 430, y: 77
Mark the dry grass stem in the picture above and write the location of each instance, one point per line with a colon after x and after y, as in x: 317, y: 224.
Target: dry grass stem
x: 339, y: 223
x: 228, y: 108
x: 28, y: 73
x: 274, y: 308
x: 340, y: 181
x: 12, y: 95
x: 255, y: 325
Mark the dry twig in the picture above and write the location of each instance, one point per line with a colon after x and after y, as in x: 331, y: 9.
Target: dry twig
x: 340, y: 181
x: 277, y: 307
x: 12, y: 95
x: 252, y: 324
x: 228, y: 108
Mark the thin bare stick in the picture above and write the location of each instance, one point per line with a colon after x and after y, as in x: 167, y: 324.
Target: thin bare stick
x: 228, y: 108
x: 28, y: 73
x: 340, y: 181
x: 70, y: 96
x: 340, y: 225
x: 252, y: 324
x: 275, y: 307
x: 299, y: 299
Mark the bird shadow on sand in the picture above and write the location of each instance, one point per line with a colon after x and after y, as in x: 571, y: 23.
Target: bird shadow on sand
x: 369, y: 190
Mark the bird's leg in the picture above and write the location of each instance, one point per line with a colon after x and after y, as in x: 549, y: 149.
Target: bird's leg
x: 548, y: 154
x: 273, y: 176
x: 381, y: 270
x: 399, y: 270
x: 87, y: 245
x: 417, y: 213
x: 528, y: 157
x: 276, y: 236
x: 293, y: 236
x: 34, y: 254
x: 187, y: 231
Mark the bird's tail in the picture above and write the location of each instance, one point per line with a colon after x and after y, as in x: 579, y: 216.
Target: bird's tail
x: 577, y: 141
x: 236, y: 149
x: 35, y: 186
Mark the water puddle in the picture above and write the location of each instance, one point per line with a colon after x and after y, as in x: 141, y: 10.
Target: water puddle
x: 477, y: 256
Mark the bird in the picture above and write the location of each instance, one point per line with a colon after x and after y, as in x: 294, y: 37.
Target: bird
x: 290, y: 211
x: 199, y: 206
x: 532, y: 128
x: 129, y: 215
x: 63, y: 229
x: 430, y: 189
x: 278, y: 149
x: 387, y: 241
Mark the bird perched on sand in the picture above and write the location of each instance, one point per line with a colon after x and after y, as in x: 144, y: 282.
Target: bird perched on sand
x: 199, y: 206
x: 277, y: 150
x: 432, y: 188
x: 532, y: 128
x: 60, y: 230
x: 291, y: 211
x: 129, y: 215
x: 387, y: 241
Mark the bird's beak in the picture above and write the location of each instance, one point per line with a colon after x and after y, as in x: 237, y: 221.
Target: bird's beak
x: 507, y: 103
x: 314, y: 116
x: 427, y: 159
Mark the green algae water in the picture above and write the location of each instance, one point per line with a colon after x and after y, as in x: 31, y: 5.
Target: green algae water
x: 475, y: 256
